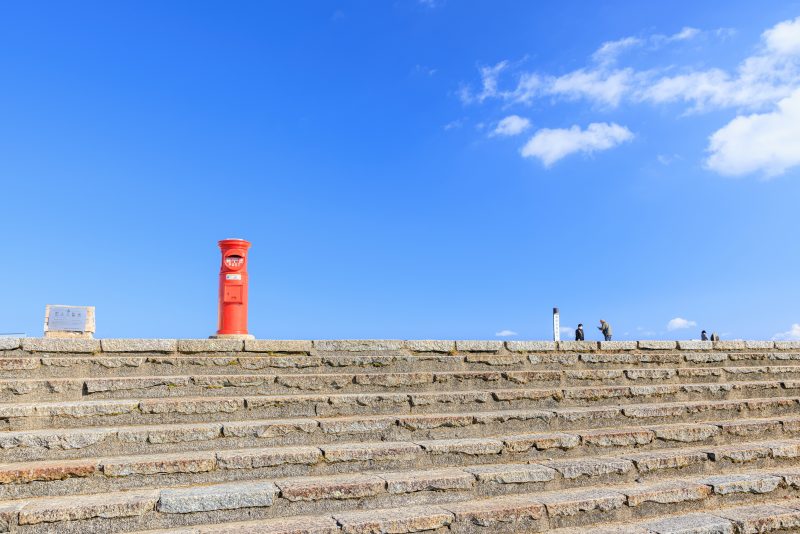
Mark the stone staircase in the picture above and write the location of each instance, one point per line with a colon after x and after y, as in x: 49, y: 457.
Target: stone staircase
x: 202, y: 436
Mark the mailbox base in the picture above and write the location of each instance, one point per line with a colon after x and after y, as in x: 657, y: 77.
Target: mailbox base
x: 232, y: 336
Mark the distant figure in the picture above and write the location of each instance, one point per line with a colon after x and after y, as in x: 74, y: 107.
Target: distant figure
x: 579, y: 332
x: 605, y: 328
x: 703, y: 336
x: 714, y: 336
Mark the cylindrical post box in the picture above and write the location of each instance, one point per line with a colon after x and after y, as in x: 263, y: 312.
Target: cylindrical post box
x: 233, y: 288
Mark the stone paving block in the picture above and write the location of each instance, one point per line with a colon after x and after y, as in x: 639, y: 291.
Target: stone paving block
x: 609, y: 437
x: 750, y: 427
x: 431, y: 421
x: 431, y: 480
x: 228, y: 496
x: 512, y: 473
x: 614, y: 357
x: 10, y: 343
x: 80, y: 346
x: 459, y: 377
x: 645, y: 411
x: 751, y: 344
x: 744, y: 483
x: 597, y: 393
x: 188, y: 462
x: 587, y: 416
x: 358, y: 345
x: 470, y: 446
x: 358, y: 425
x: 279, y: 525
x: 338, y: 487
x: 55, y: 439
x: 502, y: 416
x: 595, y: 374
x: 393, y: 380
x: 268, y: 457
x: 105, y: 505
x: 170, y: 433
x: 102, y: 385
x: 545, y: 441
x: 25, y: 472
x: 531, y: 346
x: 740, y: 454
x: 589, y: 467
x: 577, y: 346
x: 495, y: 359
x: 691, y: 524
x: 19, y: 364
x: 277, y: 345
x: 761, y: 518
x: 672, y: 459
x: 618, y: 345
x: 785, y: 449
x: 396, y: 520
x: 269, y: 428
x: 665, y: 493
x: 737, y: 344
x: 511, y: 395
x: 695, y: 345
x: 186, y: 405
x: 571, y: 502
x: 650, y: 374
x: 479, y: 346
x: 685, y: 433
x: 430, y: 345
x: 450, y: 397
x: 498, y: 510
x: 787, y: 345
x: 657, y: 345
x: 380, y: 451
x: 210, y: 345
x: 139, y: 345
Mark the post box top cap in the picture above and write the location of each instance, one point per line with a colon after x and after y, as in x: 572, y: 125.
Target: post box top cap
x: 231, y: 242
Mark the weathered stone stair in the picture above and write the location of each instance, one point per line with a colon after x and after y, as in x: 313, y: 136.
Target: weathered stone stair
x: 399, y: 436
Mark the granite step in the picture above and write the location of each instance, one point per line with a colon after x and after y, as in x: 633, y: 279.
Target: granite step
x: 51, y: 389
x: 568, y: 455
x: 632, y: 400
x: 357, y: 500
x: 64, y: 365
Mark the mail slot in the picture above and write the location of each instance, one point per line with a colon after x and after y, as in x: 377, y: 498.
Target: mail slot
x: 233, y: 287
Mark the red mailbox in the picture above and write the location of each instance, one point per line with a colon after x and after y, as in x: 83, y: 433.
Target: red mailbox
x: 233, y: 288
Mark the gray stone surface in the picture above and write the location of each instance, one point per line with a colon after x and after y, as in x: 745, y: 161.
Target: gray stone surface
x: 531, y: 346
x: 479, y: 346
x: 578, y: 346
x: 139, y: 345
x: 787, y: 345
x: 244, y: 494
x: 691, y: 524
x: 735, y: 344
x: 83, y: 346
x: 357, y: 345
x: 210, y: 345
x: 752, y: 344
x: 652, y: 344
x: 695, y: 345
x: 10, y: 343
x: 430, y: 345
x: 762, y: 518
x: 618, y: 345
x: 277, y: 345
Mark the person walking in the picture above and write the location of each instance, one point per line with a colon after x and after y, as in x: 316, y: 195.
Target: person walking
x: 605, y: 328
x: 579, y: 332
x: 703, y: 336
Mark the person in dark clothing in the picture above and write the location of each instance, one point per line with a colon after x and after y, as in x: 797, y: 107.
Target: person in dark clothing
x: 703, y: 336
x: 605, y: 328
x: 579, y: 332
x: 714, y: 336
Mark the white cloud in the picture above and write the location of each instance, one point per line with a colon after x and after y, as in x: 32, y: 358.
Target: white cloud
x: 679, y: 323
x: 458, y: 123
x: 761, y: 142
x: 784, y: 38
x: 550, y: 145
x: 511, y: 125
x: 505, y: 333
x: 685, y: 34
x: 600, y: 86
x: 791, y: 335
x: 489, y: 77
x: 566, y: 331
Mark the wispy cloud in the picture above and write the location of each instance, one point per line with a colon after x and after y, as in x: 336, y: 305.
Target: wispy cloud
x: 458, y: 123
x: 505, y: 333
x: 511, y: 125
x: 551, y: 145
x: 679, y: 323
x: 792, y: 334
x: 762, y: 90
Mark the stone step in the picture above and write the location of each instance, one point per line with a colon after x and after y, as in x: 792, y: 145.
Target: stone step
x: 63, y: 365
x: 511, y: 515
x: 634, y: 399
x: 779, y: 516
x: 643, y: 454
x: 50, y: 389
x: 355, y: 503
x: 595, y: 430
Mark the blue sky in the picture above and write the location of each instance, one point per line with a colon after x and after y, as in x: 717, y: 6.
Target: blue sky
x: 404, y: 169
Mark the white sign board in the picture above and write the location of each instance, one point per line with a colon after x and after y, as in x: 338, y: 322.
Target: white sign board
x: 68, y: 319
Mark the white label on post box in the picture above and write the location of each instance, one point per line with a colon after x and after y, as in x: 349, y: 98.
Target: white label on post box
x: 233, y: 277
